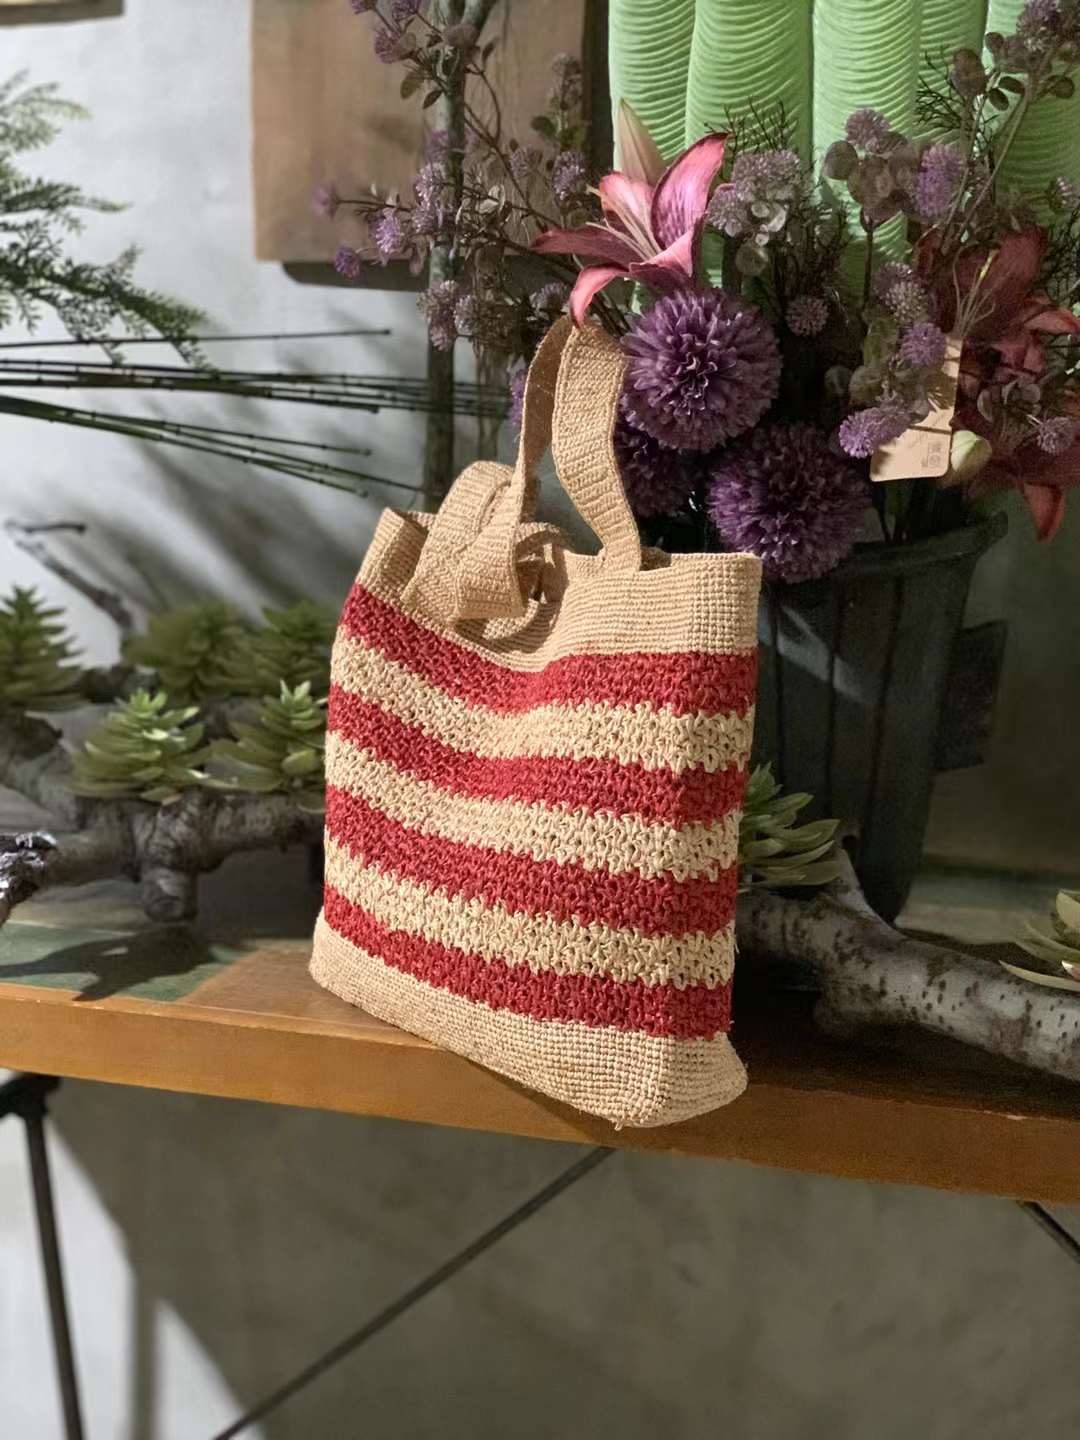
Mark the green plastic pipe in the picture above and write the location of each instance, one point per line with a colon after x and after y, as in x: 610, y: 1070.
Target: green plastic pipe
x: 749, y: 51
x: 648, y: 60
x: 1048, y: 143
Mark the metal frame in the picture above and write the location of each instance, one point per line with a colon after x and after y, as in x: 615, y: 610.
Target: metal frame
x: 25, y: 1097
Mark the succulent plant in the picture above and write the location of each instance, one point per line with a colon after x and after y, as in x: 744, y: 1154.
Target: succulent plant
x: 292, y: 647
x: 282, y: 751
x: 35, y: 654
x: 142, y: 751
x: 1057, y: 951
x: 773, y: 850
x: 193, y: 650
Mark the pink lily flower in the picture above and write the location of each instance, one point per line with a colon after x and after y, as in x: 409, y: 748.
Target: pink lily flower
x: 651, y: 230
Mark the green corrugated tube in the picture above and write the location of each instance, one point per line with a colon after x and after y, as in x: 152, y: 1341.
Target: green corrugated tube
x: 866, y: 55
x: 648, y: 60
x: 948, y: 26
x: 1048, y: 144
x: 749, y: 50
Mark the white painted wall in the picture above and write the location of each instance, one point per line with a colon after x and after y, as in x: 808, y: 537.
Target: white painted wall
x: 214, y: 1247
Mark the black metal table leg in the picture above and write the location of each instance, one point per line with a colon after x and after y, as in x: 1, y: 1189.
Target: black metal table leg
x: 413, y: 1296
x: 25, y: 1097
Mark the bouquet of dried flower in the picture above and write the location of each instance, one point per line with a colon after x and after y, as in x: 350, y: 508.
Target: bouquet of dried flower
x: 792, y: 335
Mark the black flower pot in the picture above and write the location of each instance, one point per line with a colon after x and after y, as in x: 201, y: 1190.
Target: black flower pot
x: 856, y: 669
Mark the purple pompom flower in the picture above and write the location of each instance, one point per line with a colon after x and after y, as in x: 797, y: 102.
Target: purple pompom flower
x: 568, y: 175
x: 782, y: 494
x: 390, y: 234
x: 940, y: 173
x: 868, y: 129
x: 894, y: 273
x: 908, y: 301
x: 704, y: 366
x: 807, y: 315
x: 657, y: 481
x: 348, y: 262
x: 438, y: 304
x: 867, y: 430
x: 923, y: 347
x: 1056, y: 435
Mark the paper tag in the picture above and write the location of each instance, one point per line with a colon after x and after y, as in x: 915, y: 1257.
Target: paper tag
x: 923, y: 450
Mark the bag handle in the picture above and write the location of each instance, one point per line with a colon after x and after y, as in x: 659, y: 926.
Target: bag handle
x: 468, y: 567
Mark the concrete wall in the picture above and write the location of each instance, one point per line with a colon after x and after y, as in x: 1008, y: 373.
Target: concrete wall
x: 212, y: 1246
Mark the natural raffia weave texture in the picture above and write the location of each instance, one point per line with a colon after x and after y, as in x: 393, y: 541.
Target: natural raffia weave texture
x: 535, y: 765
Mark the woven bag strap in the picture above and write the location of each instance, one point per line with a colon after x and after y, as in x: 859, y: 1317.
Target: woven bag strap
x: 468, y: 568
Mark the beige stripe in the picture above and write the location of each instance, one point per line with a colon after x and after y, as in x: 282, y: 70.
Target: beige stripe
x: 657, y: 739
x: 563, y: 947
x: 616, y: 843
x: 678, y: 603
x: 630, y: 1079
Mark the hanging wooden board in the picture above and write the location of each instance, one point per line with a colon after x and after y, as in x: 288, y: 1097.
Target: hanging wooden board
x: 324, y: 108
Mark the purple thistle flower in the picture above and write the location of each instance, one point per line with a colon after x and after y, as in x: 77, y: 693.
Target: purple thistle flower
x: 868, y: 129
x: 1039, y: 21
x: 403, y: 12
x: 939, y: 174
x: 923, y: 347
x: 908, y: 301
x: 757, y: 173
x: 867, y: 430
x: 568, y: 175
x: 782, y: 494
x: 1056, y: 435
x: 438, y: 304
x: 894, y: 273
x: 387, y: 45
x: 522, y: 162
x: 807, y: 315
x: 348, y: 262
x: 657, y: 481
x: 437, y: 147
x: 565, y: 80
x: 516, y: 387
x: 326, y: 200
x: 552, y: 296
x: 704, y: 366
x: 728, y: 212
x: 390, y: 234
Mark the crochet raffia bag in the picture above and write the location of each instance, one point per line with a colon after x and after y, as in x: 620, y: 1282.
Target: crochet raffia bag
x: 535, y: 763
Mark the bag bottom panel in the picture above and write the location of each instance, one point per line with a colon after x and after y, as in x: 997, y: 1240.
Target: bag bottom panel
x: 627, y: 1078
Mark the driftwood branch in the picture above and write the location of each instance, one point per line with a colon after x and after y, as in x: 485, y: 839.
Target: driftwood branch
x: 163, y: 847
x: 871, y: 974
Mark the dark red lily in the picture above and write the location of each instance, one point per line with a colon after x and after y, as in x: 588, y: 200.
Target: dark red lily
x: 651, y: 230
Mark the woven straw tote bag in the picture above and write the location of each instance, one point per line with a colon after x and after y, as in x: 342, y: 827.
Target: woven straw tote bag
x: 535, y: 763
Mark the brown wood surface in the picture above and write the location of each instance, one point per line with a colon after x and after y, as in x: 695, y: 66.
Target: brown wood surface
x: 912, y: 1112
x: 324, y: 108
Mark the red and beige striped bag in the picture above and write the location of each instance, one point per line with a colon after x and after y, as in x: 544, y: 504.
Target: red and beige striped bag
x: 535, y: 764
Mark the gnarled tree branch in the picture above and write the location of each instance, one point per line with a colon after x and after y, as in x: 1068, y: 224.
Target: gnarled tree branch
x: 871, y: 974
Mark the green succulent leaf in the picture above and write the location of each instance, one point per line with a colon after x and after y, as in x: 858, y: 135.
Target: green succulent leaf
x: 142, y: 750
x: 194, y: 650
x: 36, y: 673
x: 282, y: 752
x: 291, y: 646
x: 776, y: 851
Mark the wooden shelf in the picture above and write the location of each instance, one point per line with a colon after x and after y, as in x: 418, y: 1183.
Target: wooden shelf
x: 913, y: 1111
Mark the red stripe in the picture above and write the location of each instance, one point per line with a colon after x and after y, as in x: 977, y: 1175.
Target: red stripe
x: 690, y: 1013
x: 686, y: 683
x: 595, y: 785
x: 660, y: 905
